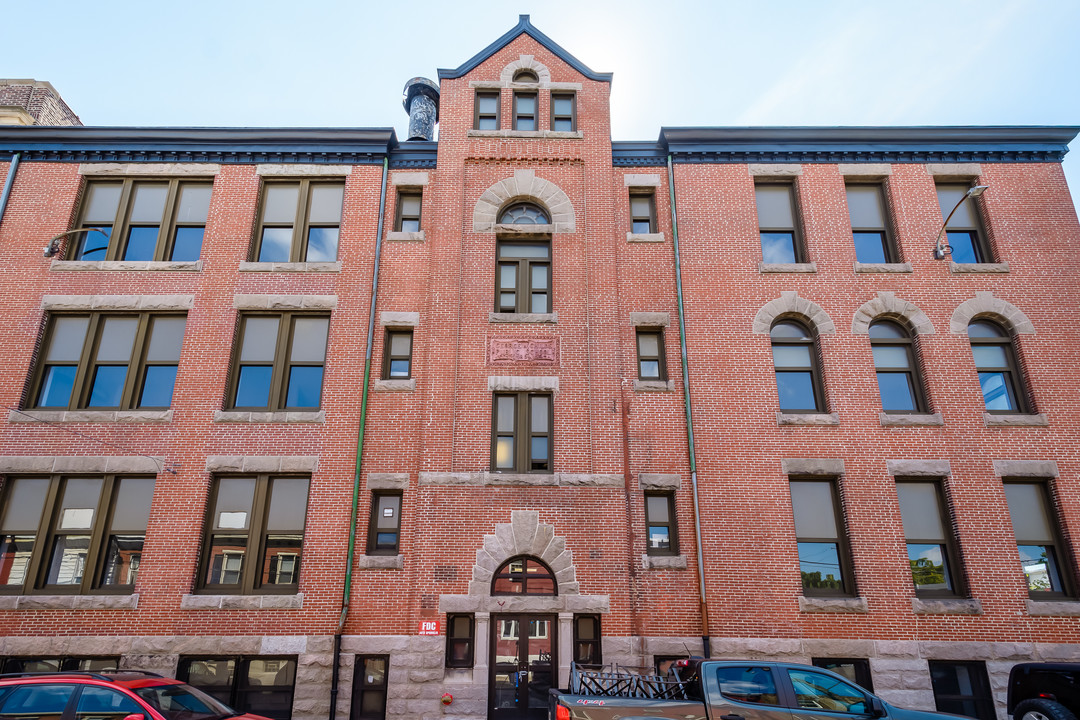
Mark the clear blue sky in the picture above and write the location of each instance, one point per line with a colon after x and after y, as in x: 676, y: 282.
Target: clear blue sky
x: 752, y: 62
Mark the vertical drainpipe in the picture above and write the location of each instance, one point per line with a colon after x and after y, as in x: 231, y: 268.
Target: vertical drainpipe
x: 8, y: 183
x: 359, y: 448
x: 689, y: 414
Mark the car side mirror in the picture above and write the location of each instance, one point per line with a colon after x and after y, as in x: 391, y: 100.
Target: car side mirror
x: 877, y: 707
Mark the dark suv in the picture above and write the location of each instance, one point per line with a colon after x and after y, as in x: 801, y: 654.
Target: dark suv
x: 1044, y: 691
x: 124, y: 695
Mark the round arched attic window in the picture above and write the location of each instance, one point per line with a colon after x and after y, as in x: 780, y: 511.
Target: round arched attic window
x: 524, y: 214
x: 526, y: 76
x: 524, y: 575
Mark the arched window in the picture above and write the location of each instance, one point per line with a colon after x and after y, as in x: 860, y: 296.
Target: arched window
x: 526, y: 76
x: 524, y: 214
x: 897, y: 370
x: 999, y: 373
x: 798, y: 377
x: 524, y: 576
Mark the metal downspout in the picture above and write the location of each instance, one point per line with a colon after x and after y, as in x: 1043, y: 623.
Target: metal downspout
x: 8, y: 183
x: 359, y: 446
x: 689, y: 414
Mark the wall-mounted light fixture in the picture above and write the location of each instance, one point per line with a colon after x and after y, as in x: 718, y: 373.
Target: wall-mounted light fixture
x: 52, y: 245
x: 941, y: 250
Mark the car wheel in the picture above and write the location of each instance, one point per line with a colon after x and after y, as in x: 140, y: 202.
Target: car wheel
x: 1042, y: 710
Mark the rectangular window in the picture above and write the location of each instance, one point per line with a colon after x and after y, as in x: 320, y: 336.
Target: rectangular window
x: 143, y: 220
x: 650, y: 353
x: 486, y: 111
x: 59, y: 664
x: 930, y: 545
x: 369, y: 687
x: 587, y: 640
x: 524, y: 277
x: 260, y: 685
x: 660, y: 524
x: 964, y: 233
x: 563, y: 112
x: 776, y: 223
x: 1037, y: 539
x: 108, y: 361
x: 408, y: 211
x: 299, y: 221
x: 70, y: 535
x: 643, y: 212
x: 260, y: 517
x: 866, y: 209
x: 525, y: 111
x: 521, y: 432
x: 962, y: 688
x: 397, y: 355
x: 823, y: 552
x: 384, y: 529
x: 857, y: 670
x: 459, y: 640
x: 279, y: 361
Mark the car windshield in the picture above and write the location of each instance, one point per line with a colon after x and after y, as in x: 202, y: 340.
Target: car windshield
x: 183, y: 702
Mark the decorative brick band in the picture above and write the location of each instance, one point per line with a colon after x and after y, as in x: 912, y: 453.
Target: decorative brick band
x: 169, y: 169
x: 812, y: 466
x: 984, y: 303
x: 285, y: 302
x: 262, y: 463
x: 523, y: 383
x: 1026, y: 468
x: 399, y: 319
x: 789, y: 303
x: 918, y: 468
x: 301, y: 169
x: 117, y: 302
x: 524, y: 185
x: 409, y: 179
x: 887, y: 305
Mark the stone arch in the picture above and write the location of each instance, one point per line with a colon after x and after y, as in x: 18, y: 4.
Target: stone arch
x: 984, y: 304
x: 524, y: 185
x: 789, y: 303
x: 886, y: 304
x: 526, y: 62
x: 523, y: 535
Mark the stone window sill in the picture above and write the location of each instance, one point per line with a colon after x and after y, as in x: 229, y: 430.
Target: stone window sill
x: 645, y: 237
x: 496, y: 317
x: 330, y: 267
x: 69, y: 602
x: 395, y: 385
x: 154, y: 265
x: 810, y: 267
x: 663, y: 562
x: 243, y: 416
x: 654, y: 385
x: 996, y: 420
x: 783, y: 418
x: 883, y: 267
x: 522, y: 479
x: 92, y: 416
x: 841, y: 605
x: 948, y: 606
x: 910, y: 419
x: 528, y: 134
x: 965, y: 268
x: 380, y: 562
x: 242, y: 602
x: 397, y: 236
x: 1053, y: 608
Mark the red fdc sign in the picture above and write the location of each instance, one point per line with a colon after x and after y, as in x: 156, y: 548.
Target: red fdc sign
x: 429, y: 627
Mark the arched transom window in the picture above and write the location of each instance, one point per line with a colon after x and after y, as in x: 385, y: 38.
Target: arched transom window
x: 896, y: 368
x: 999, y: 373
x: 524, y: 576
x: 798, y: 378
x: 524, y: 214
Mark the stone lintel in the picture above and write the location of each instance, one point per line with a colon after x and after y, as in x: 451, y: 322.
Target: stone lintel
x: 659, y: 481
x: 523, y: 383
x: 650, y: 319
x: 774, y: 169
x: 1026, y: 468
x: 918, y: 468
x: 167, y: 169
x: 533, y: 604
x: 117, y: 302
x: 812, y: 466
x: 301, y: 169
x: 284, y: 302
x: 409, y: 179
x: 641, y: 180
x: 387, y: 481
x: 957, y: 170
x: 81, y: 464
x: 262, y: 463
x: 399, y: 319
x: 865, y: 171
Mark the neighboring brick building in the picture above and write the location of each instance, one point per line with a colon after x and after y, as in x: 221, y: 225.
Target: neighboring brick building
x: 33, y: 102
x: 882, y: 467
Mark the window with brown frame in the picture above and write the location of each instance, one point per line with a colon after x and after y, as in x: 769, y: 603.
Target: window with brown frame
x: 964, y: 233
x: 486, y: 109
x: 643, y: 212
x: 261, y: 685
x: 299, y: 221
x: 397, y: 355
x: 460, y: 630
x: 962, y: 688
x: 824, y: 559
x: 525, y: 110
x: 780, y: 239
x: 1038, y: 542
x: 143, y: 219
x: 798, y: 375
x: 524, y: 575
x: 857, y: 670
x: 254, y: 534
x: 279, y: 361
x: 652, y: 365
x: 62, y: 534
x: 661, y: 526
x: 897, y: 369
x: 384, y: 527
x: 408, y: 211
x: 931, y: 547
x: 369, y: 687
x: 117, y: 361
x: 521, y: 434
x: 999, y: 372
x: 524, y: 277
x: 869, y: 225
x: 587, y: 649
x: 563, y: 112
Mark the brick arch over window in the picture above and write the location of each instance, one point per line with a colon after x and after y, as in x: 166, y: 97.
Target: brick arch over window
x: 526, y: 62
x: 790, y: 304
x: 524, y: 186
x: 523, y: 535
x: 984, y: 304
x: 887, y: 305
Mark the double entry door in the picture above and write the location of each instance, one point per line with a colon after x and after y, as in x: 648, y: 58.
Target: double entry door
x: 523, y: 666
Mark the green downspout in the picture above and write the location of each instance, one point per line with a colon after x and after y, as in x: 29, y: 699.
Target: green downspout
x: 689, y: 414
x: 359, y: 446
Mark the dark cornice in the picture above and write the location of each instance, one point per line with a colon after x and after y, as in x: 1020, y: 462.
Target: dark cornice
x: 638, y: 154
x: 415, y: 154
x: 222, y: 145
x: 867, y: 144
x: 523, y: 26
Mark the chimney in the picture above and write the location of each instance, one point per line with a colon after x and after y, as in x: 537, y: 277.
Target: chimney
x: 421, y: 101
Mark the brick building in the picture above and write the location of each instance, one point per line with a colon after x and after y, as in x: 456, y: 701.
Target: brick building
x: 611, y: 401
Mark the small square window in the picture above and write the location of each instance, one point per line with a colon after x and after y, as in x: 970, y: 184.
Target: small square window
x: 459, y: 640
x: 486, y: 111
x: 650, y: 353
x: 521, y: 432
x: 408, y: 211
x: 780, y: 242
x: 279, y: 361
x: 643, y: 212
x: 525, y: 111
x: 587, y: 640
x: 563, y: 112
x: 397, y: 355
x: 299, y: 222
x: 384, y: 529
x: 660, y: 524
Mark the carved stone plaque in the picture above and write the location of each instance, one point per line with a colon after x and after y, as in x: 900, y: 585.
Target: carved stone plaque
x: 528, y: 351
